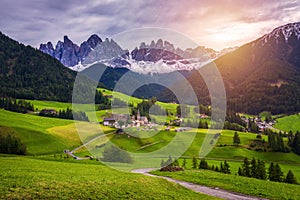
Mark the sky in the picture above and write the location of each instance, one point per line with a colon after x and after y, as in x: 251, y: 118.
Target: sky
x: 212, y: 23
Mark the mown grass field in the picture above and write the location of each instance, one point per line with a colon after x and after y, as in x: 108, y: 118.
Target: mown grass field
x: 29, y: 178
x: 133, y: 100
x: 251, y: 186
x: 43, y: 135
x: 32, y: 130
x: 234, y: 165
x: 39, y: 104
x: 288, y: 123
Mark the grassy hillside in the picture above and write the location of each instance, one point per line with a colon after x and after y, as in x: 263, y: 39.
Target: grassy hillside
x: 39, y: 104
x: 43, y: 135
x: 28, y: 178
x: 288, y: 123
x: 272, y: 190
x: 169, y: 106
x: 235, y: 164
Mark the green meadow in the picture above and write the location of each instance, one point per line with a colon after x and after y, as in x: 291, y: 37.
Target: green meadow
x: 288, y: 123
x: 32, y: 178
x: 45, y: 169
x: 250, y: 186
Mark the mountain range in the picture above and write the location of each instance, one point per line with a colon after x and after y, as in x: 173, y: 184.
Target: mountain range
x: 156, y: 57
x: 261, y: 75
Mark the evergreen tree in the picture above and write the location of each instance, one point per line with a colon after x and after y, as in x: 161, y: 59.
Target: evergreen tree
x: 296, y: 143
x: 175, y: 163
x: 290, y: 178
x: 203, y: 164
x: 169, y: 161
x: 162, y: 163
x: 275, y: 141
x: 272, y: 172
x: 213, y: 168
x: 279, y: 173
x: 9, y: 144
x: 246, y: 167
x: 183, y: 163
x: 290, y: 138
x: 280, y: 143
x: 254, y: 169
x: 217, y: 169
x: 194, y: 163
x: 275, y: 173
x: 261, y: 170
x: 241, y: 172
x: 226, y: 168
x: 236, y: 138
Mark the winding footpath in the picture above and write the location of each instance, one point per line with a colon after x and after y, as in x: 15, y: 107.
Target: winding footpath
x: 71, y: 153
x: 216, y: 192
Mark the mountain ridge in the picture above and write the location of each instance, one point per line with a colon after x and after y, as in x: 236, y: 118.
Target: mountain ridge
x: 155, y: 57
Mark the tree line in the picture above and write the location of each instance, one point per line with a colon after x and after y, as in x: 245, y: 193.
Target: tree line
x: 196, y: 164
x: 10, y: 144
x: 250, y: 168
x: 64, y: 114
x: 14, y: 105
x: 257, y: 169
x: 294, y: 141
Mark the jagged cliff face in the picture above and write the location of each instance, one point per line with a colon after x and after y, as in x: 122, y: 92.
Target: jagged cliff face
x: 68, y: 53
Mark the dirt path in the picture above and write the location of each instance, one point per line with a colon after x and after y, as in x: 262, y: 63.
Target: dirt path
x: 71, y: 153
x: 92, y: 140
x: 216, y: 192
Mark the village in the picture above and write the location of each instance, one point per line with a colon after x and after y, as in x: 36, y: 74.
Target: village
x: 123, y: 121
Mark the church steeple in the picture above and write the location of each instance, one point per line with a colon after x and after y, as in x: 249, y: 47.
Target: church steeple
x: 138, y: 117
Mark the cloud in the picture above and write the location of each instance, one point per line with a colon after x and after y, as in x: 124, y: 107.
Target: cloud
x: 33, y: 22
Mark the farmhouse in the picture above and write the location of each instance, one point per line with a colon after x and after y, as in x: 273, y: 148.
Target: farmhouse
x: 47, y: 111
x: 109, y: 121
x: 181, y: 129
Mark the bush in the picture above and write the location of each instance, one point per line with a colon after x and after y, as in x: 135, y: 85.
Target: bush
x: 115, y: 154
x: 258, y: 136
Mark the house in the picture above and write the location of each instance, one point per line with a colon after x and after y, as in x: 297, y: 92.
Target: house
x: 176, y: 122
x: 121, y: 117
x: 109, y: 121
x: 108, y: 96
x: 48, y: 112
x: 143, y: 120
x: 203, y: 116
x: 140, y: 120
x: 182, y: 129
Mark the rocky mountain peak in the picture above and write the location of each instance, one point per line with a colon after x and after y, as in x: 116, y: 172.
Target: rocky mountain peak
x: 94, y: 40
x: 69, y: 53
x: 283, y: 42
